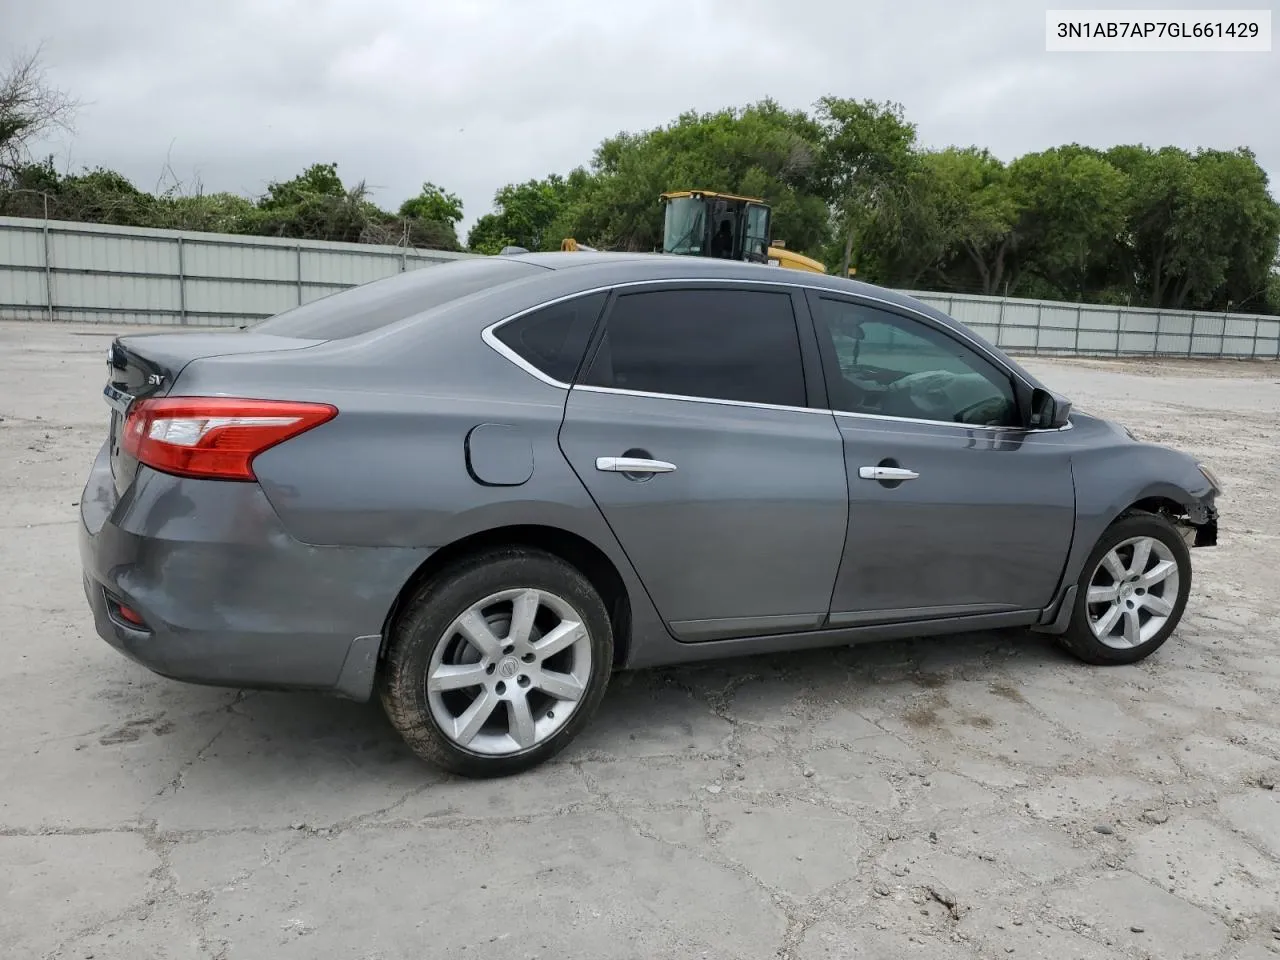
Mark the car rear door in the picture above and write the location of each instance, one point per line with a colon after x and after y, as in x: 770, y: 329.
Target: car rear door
x: 691, y: 428
x: 954, y: 508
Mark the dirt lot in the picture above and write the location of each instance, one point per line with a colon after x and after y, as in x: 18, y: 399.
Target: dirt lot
x: 980, y: 796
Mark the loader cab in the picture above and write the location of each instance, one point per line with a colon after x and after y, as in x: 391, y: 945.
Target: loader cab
x: 704, y: 224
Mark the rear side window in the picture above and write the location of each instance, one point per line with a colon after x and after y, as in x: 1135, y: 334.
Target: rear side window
x: 719, y: 344
x: 380, y: 303
x: 552, y: 339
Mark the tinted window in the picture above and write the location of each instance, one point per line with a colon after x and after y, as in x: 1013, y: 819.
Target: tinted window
x: 382, y: 302
x: 895, y: 366
x: 553, y: 338
x: 723, y: 344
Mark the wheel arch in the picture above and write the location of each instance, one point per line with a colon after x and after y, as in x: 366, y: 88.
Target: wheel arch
x: 1160, y: 504
x: 572, y: 548
x: 1106, y: 493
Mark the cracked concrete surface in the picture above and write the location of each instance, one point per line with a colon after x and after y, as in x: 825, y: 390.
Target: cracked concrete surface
x: 975, y: 796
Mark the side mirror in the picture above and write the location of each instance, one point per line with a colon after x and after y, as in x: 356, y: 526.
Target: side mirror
x: 1049, y: 411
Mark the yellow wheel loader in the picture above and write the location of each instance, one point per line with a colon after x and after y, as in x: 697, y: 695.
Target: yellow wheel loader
x: 702, y: 223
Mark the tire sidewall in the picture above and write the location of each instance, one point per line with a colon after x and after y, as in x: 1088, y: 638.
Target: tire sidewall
x: 1080, y: 636
x: 422, y: 629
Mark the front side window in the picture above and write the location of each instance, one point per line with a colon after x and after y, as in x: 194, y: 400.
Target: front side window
x: 553, y: 338
x: 891, y: 365
x: 719, y: 344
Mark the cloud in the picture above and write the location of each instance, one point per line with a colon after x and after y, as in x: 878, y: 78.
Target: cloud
x: 478, y: 94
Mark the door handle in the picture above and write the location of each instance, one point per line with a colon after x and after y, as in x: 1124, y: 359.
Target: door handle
x: 886, y: 473
x: 633, y: 465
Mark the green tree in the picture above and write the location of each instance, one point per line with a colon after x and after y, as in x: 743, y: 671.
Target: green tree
x: 1272, y: 302
x: 104, y: 196
x: 317, y: 205
x: 867, y: 158
x: 976, y: 212
x: 209, y: 212
x: 1201, y: 228
x: 525, y: 214
x: 760, y: 150
x: 1247, y: 229
x: 320, y: 180
x: 1071, y: 214
x: 433, y: 204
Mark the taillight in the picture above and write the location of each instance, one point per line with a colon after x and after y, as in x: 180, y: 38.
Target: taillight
x: 214, y: 437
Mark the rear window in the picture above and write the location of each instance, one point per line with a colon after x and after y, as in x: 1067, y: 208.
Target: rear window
x: 554, y: 338
x: 372, y: 305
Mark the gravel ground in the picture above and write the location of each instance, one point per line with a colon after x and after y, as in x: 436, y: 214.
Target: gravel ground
x: 977, y: 796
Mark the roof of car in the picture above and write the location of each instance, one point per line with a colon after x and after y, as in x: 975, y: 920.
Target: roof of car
x: 610, y: 267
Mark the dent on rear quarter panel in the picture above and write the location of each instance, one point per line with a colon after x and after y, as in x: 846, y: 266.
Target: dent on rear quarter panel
x: 391, y: 470
x: 211, y: 556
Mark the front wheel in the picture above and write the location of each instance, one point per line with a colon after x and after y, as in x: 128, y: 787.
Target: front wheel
x: 1131, y: 593
x: 498, y: 663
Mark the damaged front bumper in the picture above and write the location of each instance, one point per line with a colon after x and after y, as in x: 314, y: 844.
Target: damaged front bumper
x: 1199, y: 526
x: 1202, y: 534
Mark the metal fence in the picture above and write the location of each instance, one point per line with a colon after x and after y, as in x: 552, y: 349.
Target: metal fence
x: 54, y: 270
x: 1082, y: 329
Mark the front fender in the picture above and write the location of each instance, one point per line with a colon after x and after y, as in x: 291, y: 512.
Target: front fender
x: 1113, y: 478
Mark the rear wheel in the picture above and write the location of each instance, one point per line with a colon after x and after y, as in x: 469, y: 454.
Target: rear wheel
x: 1132, y: 592
x: 497, y: 664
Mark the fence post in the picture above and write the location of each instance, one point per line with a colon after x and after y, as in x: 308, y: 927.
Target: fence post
x: 1191, y: 340
x: 1155, y: 351
x: 48, y: 265
x: 182, y: 285
x: 297, y: 249
x: 1000, y: 323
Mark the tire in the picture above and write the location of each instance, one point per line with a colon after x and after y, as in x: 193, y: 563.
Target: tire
x: 469, y: 607
x: 1133, y: 597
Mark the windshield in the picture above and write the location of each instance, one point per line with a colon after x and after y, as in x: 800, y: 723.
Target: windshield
x: 379, y: 303
x: 685, y: 226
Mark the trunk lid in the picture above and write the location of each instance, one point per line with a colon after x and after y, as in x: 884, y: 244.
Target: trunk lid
x: 148, y: 365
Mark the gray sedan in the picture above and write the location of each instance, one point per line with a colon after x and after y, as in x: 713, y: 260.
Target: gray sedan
x: 477, y: 489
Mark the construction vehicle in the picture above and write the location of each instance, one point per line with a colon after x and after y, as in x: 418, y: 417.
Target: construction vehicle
x: 703, y: 223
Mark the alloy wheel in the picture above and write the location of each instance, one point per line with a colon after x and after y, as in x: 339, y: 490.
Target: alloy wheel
x: 509, y: 672
x: 1133, y: 592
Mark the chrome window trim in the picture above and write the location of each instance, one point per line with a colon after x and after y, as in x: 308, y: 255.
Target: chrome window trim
x: 491, y: 339
x: 622, y: 392
x: 950, y: 423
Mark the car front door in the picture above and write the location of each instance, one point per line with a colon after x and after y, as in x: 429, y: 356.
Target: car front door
x: 955, y: 508
x: 693, y: 431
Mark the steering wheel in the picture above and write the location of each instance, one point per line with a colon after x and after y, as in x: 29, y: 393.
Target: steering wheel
x: 995, y: 413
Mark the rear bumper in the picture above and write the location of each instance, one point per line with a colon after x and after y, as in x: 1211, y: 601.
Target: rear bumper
x: 228, y: 598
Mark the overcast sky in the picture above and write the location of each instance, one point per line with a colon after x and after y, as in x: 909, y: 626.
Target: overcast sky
x: 473, y: 95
